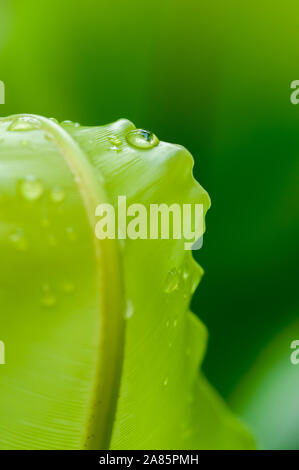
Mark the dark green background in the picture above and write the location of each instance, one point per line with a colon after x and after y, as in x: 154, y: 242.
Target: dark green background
x: 215, y: 77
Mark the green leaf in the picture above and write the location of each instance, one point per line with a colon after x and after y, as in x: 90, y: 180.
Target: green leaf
x: 100, y: 352
x: 267, y: 396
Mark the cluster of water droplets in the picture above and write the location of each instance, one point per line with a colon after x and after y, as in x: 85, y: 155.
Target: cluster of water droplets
x: 49, y: 295
x: 24, y: 123
x: 182, y: 277
x: 31, y: 189
x: 115, y: 143
x: 183, y: 280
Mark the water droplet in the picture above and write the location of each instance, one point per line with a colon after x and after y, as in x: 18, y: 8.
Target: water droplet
x: 31, y: 188
x: 48, y: 298
x: 142, y: 139
x: 49, y: 137
x: 71, y: 234
x: 67, y: 286
x: 186, y: 271
x: 70, y: 123
x: 129, y: 309
x: 57, y: 194
x: 172, y: 281
x: 53, y: 120
x: 175, y: 322
x: 24, y: 123
x: 165, y: 382
x: 18, y: 239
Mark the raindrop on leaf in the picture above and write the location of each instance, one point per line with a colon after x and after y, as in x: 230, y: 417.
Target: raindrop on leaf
x: 172, y: 281
x: 142, y: 139
x: 31, y: 188
x: 57, y: 194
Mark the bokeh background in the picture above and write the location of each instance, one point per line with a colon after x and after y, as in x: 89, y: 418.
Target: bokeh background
x: 215, y: 77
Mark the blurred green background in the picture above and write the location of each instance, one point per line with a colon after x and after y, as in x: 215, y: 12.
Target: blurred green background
x: 215, y: 77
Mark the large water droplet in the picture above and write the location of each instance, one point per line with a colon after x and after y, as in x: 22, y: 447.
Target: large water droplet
x: 18, y: 239
x: 172, y: 281
x: 31, y: 188
x: 57, y: 194
x: 165, y: 382
x: 24, y: 123
x: 142, y: 139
